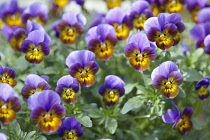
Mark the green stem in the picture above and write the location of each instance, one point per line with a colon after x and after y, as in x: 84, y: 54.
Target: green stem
x: 9, y: 133
x: 37, y: 132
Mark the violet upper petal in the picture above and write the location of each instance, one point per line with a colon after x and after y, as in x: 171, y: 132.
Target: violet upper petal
x: 203, y: 15
x: 104, y: 30
x: 140, y: 39
x: 151, y: 22
x: 6, y: 91
x: 38, y: 8
x: 139, y: 6
x: 32, y: 25
x: 188, y: 112
x: 115, y: 15
x: 81, y: 57
x: 167, y: 67
x: 45, y: 99
x: 113, y: 81
x: 170, y: 116
x: 67, y: 80
x: 91, y: 34
x: 36, y: 36
x: 198, y: 32
x: 33, y: 80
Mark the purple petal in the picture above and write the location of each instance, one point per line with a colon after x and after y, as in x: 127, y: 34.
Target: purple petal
x: 177, y: 77
x: 10, y: 72
x: 157, y: 81
x: 207, y: 40
x: 203, y: 15
x: 188, y: 112
x: 204, y: 82
x: 151, y: 22
x: 67, y: 80
x: 38, y: 8
x: 45, y: 99
x: 3, y: 136
x: 102, y: 89
x: 170, y: 116
x: 140, y: 39
x: 139, y: 7
x: 6, y: 91
x: 31, y: 26
x: 174, y: 18
x: 34, y: 80
x: 81, y: 57
x: 93, y: 66
x: 129, y: 49
x: 115, y: 15
x: 112, y: 81
x: 105, y: 30
x: 45, y: 77
x: 73, y: 17
x: 150, y: 52
x: 180, y: 26
x: 36, y: 36
x: 162, y: 19
x: 15, y: 103
x: 198, y: 32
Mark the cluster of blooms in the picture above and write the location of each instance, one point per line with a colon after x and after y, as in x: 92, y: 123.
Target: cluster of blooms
x: 24, y: 31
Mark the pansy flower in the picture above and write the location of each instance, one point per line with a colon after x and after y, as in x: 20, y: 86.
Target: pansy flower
x: 118, y: 18
x: 112, y: 90
x: 182, y: 121
x: 194, y: 6
x: 33, y: 83
x: 202, y: 88
x: 165, y: 30
x: 36, y: 12
x: 101, y: 40
x: 113, y: 3
x: 70, y: 27
x: 82, y: 66
x: 200, y: 32
x: 139, y: 12
x: 16, y: 36
x: 9, y: 103
x: 140, y: 51
x: 70, y: 129
x: 7, y: 75
x: 67, y: 87
x: 10, y: 13
x: 167, y: 79
x: 36, y: 46
x: 46, y: 110
x: 174, y: 6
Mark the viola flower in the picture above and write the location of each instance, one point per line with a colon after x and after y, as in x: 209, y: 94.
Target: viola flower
x: 36, y: 46
x: 101, y: 40
x: 67, y: 87
x: 70, y: 129
x: 140, y: 51
x: 16, y: 36
x: 112, y: 90
x: 82, y: 66
x: 165, y: 30
x: 202, y: 87
x: 10, y: 13
x: 113, y: 3
x: 194, y: 6
x: 182, y: 121
x: 33, y: 83
x: 119, y: 20
x: 200, y: 32
x: 167, y: 79
x: 36, y: 12
x: 47, y: 110
x: 9, y: 103
x: 70, y: 27
x: 139, y: 12
x: 7, y: 75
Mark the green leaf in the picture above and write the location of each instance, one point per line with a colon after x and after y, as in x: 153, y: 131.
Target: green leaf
x: 49, y: 70
x: 41, y: 138
x: 30, y: 135
x: 196, y: 125
x: 129, y: 87
x: 181, y: 93
x: 111, y: 125
x: 132, y: 103
x: 85, y: 120
x: 191, y: 75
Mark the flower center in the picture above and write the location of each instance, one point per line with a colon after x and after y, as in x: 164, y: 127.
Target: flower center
x: 70, y: 135
x: 122, y: 31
